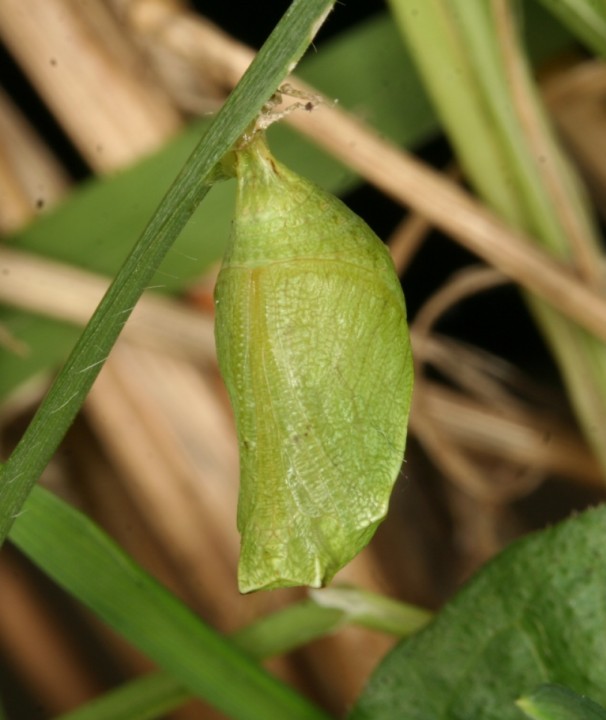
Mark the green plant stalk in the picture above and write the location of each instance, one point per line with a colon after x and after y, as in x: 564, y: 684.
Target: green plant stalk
x: 275, y: 60
x: 146, y: 698
x: 462, y: 59
x: 83, y: 560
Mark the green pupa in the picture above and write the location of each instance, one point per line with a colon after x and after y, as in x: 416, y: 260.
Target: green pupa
x: 313, y: 345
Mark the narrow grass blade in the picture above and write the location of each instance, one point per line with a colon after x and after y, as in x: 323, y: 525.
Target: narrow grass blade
x: 147, y: 615
x: 145, y: 698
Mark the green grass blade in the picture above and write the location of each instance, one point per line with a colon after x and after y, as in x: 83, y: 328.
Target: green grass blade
x: 147, y: 615
x: 145, y: 698
x: 282, y: 50
x: 585, y: 18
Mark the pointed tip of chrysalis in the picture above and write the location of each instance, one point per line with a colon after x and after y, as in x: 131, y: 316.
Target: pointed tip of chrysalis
x: 277, y: 574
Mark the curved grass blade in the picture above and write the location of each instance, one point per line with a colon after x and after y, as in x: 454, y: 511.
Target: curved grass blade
x: 148, y: 697
x: 330, y: 609
x: 149, y: 616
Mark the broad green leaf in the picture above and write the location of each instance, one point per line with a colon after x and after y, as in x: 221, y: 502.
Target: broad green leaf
x: 48, y: 343
x: 146, y: 614
x: 555, y: 702
x: 536, y: 614
x: 282, y: 50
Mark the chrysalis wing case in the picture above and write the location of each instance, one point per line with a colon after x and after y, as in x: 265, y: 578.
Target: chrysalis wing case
x: 313, y: 345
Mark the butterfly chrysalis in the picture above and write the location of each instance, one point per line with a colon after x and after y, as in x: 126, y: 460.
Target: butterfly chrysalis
x: 313, y: 346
